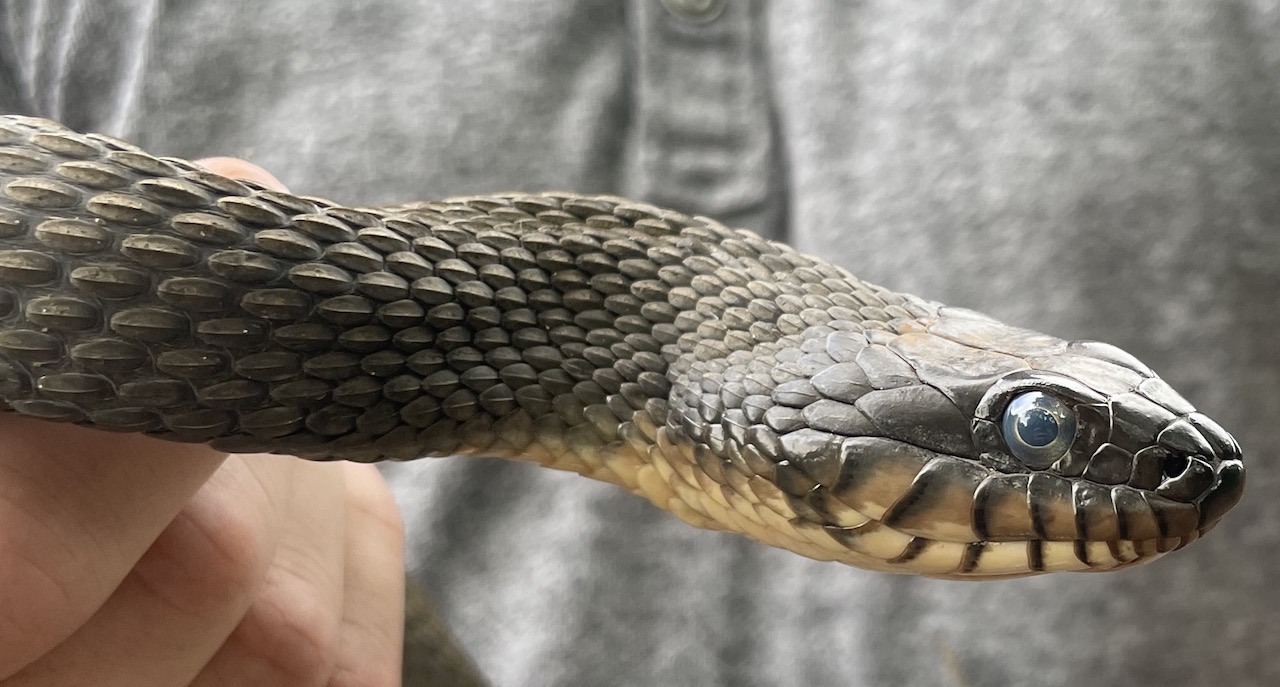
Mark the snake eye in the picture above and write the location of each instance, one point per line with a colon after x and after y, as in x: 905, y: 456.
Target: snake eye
x: 1038, y: 428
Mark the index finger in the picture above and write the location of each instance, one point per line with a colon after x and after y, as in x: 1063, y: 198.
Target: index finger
x: 78, y: 508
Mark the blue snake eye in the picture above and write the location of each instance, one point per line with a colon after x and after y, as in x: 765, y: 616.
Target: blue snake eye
x: 1038, y: 428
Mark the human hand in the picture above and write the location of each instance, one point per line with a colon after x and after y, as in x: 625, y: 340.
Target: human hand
x: 127, y: 560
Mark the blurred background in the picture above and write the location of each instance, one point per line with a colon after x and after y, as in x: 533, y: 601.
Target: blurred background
x: 1090, y: 169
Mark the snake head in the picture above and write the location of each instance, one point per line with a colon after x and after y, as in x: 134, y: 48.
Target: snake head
x: 1105, y: 451
x: 957, y: 446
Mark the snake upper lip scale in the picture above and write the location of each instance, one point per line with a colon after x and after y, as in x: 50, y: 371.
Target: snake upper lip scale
x: 730, y: 380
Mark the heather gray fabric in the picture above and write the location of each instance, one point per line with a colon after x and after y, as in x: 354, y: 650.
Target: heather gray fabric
x: 1090, y: 169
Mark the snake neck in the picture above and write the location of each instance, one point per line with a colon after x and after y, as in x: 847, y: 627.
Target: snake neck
x: 590, y: 334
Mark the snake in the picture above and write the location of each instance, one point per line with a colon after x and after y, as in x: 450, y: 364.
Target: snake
x: 730, y: 380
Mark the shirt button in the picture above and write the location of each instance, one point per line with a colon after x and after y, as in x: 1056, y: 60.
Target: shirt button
x: 695, y: 10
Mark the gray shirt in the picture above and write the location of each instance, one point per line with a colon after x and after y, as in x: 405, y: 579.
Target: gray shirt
x: 1090, y: 169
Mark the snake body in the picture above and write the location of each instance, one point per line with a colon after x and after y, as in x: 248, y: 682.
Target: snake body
x: 731, y: 380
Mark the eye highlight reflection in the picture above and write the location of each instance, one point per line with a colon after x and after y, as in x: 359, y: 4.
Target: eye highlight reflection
x: 1038, y: 428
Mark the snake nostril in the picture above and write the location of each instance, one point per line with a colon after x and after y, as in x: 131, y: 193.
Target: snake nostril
x: 1175, y: 465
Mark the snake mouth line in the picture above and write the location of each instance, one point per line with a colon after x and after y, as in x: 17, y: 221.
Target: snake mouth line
x: 922, y: 512
x: 1131, y: 528
x: 919, y: 520
x: 987, y: 559
x: 921, y: 554
x: 902, y: 552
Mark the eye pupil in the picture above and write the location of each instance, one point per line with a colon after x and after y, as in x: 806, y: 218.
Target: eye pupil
x: 1037, y: 427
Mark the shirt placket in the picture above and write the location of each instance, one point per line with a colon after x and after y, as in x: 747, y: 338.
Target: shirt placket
x: 703, y: 135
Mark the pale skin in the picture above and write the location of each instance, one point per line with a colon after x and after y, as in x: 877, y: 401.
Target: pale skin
x: 127, y: 560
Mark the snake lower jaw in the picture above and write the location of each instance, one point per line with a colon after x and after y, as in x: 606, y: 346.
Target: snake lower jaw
x: 920, y: 512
